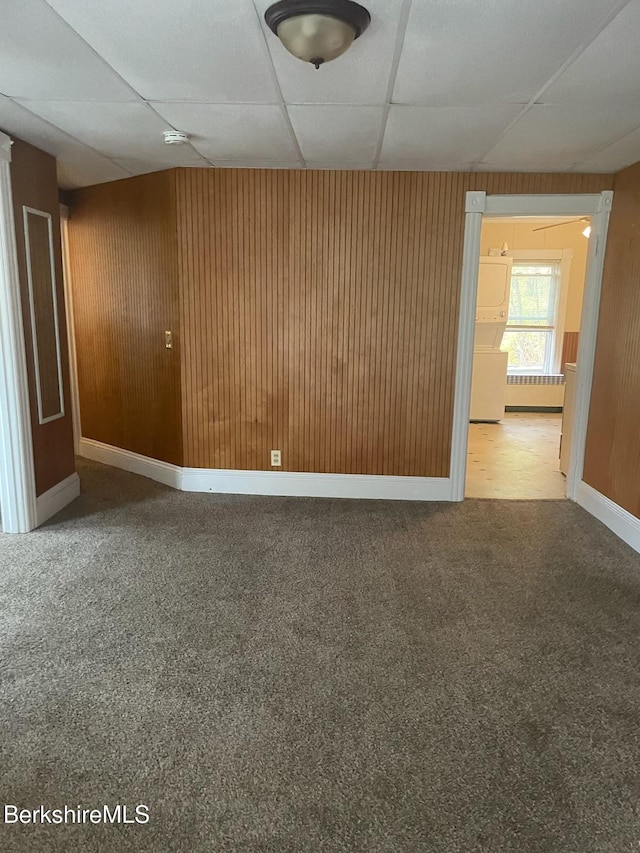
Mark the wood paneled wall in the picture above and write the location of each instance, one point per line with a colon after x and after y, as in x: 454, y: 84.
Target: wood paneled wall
x: 319, y: 314
x: 34, y: 184
x: 569, y: 348
x: 313, y: 312
x: 123, y: 250
x: 612, y: 461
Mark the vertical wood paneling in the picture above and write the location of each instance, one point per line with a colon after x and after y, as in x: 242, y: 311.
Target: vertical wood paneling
x: 569, y: 348
x: 123, y: 251
x: 612, y: 460
x: 319, y: 313
x: 34, y: 184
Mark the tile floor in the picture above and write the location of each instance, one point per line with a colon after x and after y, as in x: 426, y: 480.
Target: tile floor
x: 516, y: 458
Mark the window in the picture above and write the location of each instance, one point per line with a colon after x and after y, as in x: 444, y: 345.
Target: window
x: 531, y: 334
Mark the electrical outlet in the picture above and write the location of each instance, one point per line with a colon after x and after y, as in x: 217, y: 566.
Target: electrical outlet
x: 276, y: 459
x: 168, y: 340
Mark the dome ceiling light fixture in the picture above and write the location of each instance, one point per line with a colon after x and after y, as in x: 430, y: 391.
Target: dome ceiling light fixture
x: 317, y: 31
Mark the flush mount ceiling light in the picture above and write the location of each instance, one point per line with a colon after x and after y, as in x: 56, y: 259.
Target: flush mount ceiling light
x: 317, y: 31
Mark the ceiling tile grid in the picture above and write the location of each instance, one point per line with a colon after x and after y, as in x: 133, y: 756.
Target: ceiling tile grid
x: 494, y: 52
x: 430, y: 85
x: 422, y: 136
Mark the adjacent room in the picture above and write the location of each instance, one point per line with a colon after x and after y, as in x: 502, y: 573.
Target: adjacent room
x: 319, y: 405
x: 530, y: 292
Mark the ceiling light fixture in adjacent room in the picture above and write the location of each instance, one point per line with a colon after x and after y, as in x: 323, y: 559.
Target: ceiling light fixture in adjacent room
x: 317, y: 31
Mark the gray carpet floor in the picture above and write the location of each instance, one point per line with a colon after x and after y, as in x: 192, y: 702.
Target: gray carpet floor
x: 301, y: 676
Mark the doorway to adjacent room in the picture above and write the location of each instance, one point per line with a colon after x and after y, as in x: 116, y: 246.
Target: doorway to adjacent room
x: 528, y: 315
x: 534, y: 342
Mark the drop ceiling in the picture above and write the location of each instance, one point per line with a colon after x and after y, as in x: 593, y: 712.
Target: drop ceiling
x: 431, y: 85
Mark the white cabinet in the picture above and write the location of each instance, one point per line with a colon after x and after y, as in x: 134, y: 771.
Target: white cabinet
x: 489, y: 386
x: 489, y: 382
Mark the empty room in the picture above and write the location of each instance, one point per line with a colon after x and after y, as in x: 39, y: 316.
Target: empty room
x: 319, y: 405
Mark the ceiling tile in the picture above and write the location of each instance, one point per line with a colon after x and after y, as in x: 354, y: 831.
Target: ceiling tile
x: 608, y: 69
x: 337, y: 133
x: 18, y: 121
x: 360, y: 76
x: 234, y: 131
x: 556, y: 137
x: 490, y: 53
x: 144, y: 167
x: 426, y: 137
x: 198, y: 50
x: 84, y: 170
x: 42, y: 57
x: 78, y: 165
x: 115, y: 129
x: 625, y: 152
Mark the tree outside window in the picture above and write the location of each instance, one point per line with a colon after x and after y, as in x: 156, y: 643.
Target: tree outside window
x: 531, y: 326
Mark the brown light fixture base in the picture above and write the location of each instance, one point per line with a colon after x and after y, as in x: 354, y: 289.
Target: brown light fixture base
x: 317, y: 31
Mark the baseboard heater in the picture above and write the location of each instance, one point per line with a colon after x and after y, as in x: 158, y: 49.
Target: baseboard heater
x: 549, y: 409
x: 530, y: 379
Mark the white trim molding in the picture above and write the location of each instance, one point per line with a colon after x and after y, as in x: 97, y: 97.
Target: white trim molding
x: 587, y: 341
x: 5, y: 147
x: 583, y: 204
x: 477, y: 205
x: 161, y: 472
x: 474, y: 207
x: 71, y: 332
x: 622, y: 523
x: 57, y: 498
x: 308, y: 485
x: 26, y: 212
x: 282, y: 483
x: 17, y: 478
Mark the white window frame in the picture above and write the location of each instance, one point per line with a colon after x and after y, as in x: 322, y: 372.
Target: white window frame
x: 563, y: 257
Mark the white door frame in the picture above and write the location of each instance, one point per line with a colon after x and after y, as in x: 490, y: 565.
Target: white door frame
x: 477, y: 205
x: 17, y: 478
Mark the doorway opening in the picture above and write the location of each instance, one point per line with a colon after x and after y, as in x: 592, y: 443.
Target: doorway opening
x: 531, y: 279
x: 595, y: 210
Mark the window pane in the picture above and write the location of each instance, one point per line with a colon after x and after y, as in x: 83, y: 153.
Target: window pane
x: 535, y: 269
x: 532, y: 301
x: 529, y: 351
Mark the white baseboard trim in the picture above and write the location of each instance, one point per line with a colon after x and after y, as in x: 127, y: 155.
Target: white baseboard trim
x: 162, y: 472
x: 282, y: 483
x: 305, y: 485
x: 51, y: 502
x: 622, y: 523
